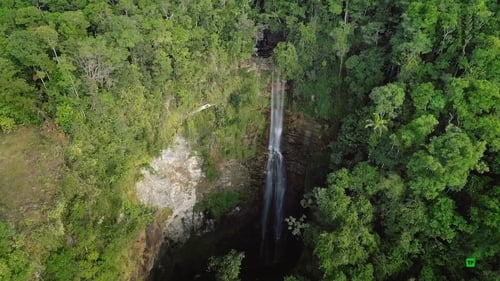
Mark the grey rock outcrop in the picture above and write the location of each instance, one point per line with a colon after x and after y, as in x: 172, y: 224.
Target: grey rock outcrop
x: 171, y: 183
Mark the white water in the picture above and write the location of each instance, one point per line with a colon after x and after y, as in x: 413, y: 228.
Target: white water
x: 275, y: 187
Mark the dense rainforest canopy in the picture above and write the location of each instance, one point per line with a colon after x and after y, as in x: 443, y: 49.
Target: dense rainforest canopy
x: 118, y: 78
x: 411, y: 88
x: 414, y: 86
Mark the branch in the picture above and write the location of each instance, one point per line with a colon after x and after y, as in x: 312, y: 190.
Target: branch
x: 199, y: 109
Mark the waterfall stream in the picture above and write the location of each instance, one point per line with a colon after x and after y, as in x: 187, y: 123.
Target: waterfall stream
x: 275, y: 187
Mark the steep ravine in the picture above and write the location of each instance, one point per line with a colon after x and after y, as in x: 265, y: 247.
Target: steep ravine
x: 177, y: 244
x: 304, y: 140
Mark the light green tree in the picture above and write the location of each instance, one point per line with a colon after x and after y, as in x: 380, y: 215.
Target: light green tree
x: 377, y: 123
x: 388, y: 99
x: 226, y: 268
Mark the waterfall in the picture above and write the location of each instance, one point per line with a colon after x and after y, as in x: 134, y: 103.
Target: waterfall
x: 274, y: 190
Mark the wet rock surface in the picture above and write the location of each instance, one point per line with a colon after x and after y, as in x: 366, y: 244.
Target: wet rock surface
x: 305, y: 148
x: 268, y: 42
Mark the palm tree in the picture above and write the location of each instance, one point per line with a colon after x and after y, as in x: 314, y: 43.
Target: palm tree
x: 377, y: 123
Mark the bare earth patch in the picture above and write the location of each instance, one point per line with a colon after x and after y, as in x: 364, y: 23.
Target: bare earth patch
x: 30, y: 163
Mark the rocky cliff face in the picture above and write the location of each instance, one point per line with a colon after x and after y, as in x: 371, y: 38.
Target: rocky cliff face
x: 171, y: 183
x: 144, y: 251
x: 306, y: 151
x: 174, y: 183
x: 305, y: 148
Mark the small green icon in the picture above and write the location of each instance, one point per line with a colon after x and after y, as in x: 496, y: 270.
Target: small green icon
x: 470, y: 262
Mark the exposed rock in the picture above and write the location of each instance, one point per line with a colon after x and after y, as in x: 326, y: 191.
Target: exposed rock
x: 305, y: 149
x: 172, y: 184
x: 270, y: 40
x: 305, y: 145
x: 172, y: 178
x: 233, y: 175
x: 144, y: 251
x: 175, y: 180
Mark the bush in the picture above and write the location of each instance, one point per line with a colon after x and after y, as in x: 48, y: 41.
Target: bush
x: 7, y: 124
x: 226, y: 268
x: 218, y: 203
x: 65, y: 116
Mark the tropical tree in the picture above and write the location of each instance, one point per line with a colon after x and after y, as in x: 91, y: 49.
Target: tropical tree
x: 226, y: 268
x: 377, y: 123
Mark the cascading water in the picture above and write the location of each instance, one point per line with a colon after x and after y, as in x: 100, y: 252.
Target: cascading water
x: 274, y: 193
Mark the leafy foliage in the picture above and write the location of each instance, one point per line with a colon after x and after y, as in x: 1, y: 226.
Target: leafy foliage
x: 120, y: 78
x: 218, y: 203
x: 226, y: 268
x: 413, y: 87
x: 14, y: 262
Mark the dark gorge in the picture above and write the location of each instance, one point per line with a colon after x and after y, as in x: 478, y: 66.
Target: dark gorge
x: 271, y: 251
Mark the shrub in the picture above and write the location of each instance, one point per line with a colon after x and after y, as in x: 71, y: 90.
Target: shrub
x: 7, y: 124
x: 226, y: 268
x: 219, y: 203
